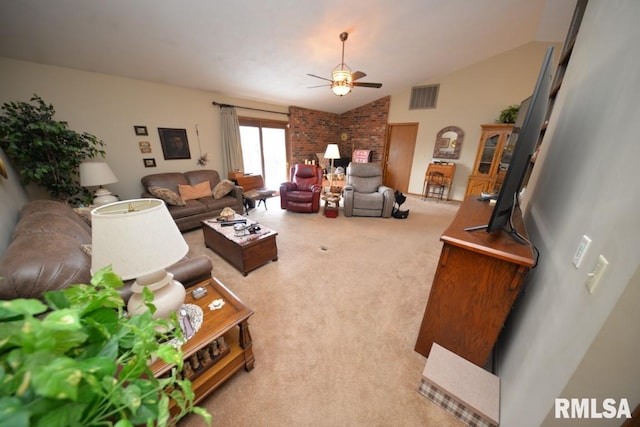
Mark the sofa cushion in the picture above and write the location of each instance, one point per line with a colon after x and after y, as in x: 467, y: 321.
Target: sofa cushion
x: 169, y: 197
x: 169, y: 180
x: 368, y: 200
x: 192, y: 192
x: 39, y: 262
x: 213, y: 204
x: 300, y: 196
x: 45, y: 222
x: 52, y: 207
x: 197, y: 176
x: 364, y: 177
x: 190, y: 208
x: 223, y: 188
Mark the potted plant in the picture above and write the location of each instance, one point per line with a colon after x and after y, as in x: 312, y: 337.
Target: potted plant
x: 509, y: 114
x: 77, y: 359
x: 44, y: 150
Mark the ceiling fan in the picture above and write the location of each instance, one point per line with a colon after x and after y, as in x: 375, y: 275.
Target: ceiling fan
x: 342, y: 79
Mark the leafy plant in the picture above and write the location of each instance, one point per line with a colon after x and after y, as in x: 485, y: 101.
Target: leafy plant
x: 45, y: 151
x: 80, y: 360
x: 509, y: 114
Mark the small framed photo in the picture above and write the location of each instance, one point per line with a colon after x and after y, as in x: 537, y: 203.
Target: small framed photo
x: 141, y: 130
x: 145, y: 146
x: 149, y: 163
x: 174, y: 143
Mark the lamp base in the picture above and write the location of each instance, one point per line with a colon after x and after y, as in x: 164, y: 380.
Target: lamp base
x: 168, y: 295
x: 103, y: 196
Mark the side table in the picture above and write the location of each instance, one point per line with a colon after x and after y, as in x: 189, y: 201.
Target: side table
x: 331, y: 204
x: 206, y: 370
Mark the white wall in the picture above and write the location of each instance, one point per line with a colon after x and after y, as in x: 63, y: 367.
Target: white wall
x: 109, y: 107
x: 468, y: 98
x: 609, y: 369
x: 587, y: 184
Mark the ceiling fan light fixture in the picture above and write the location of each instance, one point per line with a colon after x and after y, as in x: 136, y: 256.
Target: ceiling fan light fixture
x: 342, y: 80
x: 341, y: 88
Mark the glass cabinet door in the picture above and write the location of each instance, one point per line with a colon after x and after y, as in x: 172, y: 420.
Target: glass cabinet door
x: 488, y: 152
x: 507, y: 152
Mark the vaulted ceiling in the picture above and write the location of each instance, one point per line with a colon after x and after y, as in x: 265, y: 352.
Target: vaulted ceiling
x: 262, y: 50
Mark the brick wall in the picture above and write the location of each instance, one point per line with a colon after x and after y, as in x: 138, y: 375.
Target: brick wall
x: 366, y: 127
x: 310, y: 130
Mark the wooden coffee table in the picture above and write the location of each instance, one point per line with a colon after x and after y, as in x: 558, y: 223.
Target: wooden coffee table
x: 246, y: 253
x: 206, y: 363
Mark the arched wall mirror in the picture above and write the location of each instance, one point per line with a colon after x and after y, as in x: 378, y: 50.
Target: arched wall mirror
x: 448, y: 143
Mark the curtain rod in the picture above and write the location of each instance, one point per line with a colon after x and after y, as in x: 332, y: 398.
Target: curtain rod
x: 248, y: 108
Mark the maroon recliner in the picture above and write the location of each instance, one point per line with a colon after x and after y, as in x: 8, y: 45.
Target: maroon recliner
x: 302, y: 192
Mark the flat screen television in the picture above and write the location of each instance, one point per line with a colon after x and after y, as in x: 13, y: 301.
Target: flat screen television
x: 527, y: 132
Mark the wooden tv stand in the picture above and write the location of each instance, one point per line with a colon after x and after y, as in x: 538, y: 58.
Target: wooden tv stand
x: 478, y: 277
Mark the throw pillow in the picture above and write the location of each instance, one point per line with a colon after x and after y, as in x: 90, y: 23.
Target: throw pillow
x: 170, y: 197
x: 223, y: 188
x: 189, y: 192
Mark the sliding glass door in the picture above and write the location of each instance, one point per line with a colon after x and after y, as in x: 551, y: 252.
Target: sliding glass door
x: 264, y: 149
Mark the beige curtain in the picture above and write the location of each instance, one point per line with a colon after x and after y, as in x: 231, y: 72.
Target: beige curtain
x: 231, y: 148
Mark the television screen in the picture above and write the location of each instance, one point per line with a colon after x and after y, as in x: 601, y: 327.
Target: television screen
x: 531, y: 117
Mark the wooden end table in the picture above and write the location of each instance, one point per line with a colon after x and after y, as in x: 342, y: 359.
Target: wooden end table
x: 331, y: 204
x: 206, y: 370
x: 246, y: 253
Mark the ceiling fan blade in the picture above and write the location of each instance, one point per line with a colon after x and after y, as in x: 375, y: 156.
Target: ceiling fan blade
x: 312, y: 87
x: 363, y: 84
x: 318, y: 77
x: 357, y: 75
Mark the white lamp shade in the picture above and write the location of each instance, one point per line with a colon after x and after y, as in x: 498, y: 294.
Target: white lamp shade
x: 332, y: 152
x: 96, y: 173
x: 137, y: 237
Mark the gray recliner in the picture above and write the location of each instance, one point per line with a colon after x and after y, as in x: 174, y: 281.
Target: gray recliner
x: 364, y: 194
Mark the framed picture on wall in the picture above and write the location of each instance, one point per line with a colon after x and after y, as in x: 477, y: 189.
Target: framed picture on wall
x: 448, y: 143
x: 174, y: 143
x: 141, y: 130
x: 149, y: 163
x: 145, y: 146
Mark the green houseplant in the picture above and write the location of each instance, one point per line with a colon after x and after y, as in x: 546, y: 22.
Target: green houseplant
x: 44, y: 150
x: 80, y: 360
x: 509, y: 114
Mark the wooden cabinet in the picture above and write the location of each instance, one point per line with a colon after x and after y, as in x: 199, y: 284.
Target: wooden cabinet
x: 478, y: 277
x: 492, y: 159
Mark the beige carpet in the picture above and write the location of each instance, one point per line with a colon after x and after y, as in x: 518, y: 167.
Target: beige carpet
x: 336, y: 319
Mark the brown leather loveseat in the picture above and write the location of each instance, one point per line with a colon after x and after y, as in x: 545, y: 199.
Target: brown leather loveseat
x: 188, y: 213
x: 48, y: 251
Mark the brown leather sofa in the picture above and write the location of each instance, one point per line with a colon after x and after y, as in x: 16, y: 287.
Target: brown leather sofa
x: 48, y: 252
x: 302, y: 192
x: 190, y: 215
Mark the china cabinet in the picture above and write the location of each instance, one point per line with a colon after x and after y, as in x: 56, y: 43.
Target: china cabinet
x: 492, y: 159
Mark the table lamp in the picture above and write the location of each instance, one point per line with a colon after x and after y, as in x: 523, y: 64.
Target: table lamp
x: 139, y: 239
x: 97, y: 174
x: 331, y: 153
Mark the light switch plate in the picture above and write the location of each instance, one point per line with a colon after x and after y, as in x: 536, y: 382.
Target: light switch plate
x: 581, y: 251
x: 597, y: 273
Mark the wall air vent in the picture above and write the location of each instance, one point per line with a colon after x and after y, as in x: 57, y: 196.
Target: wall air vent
x: 424, y: 97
